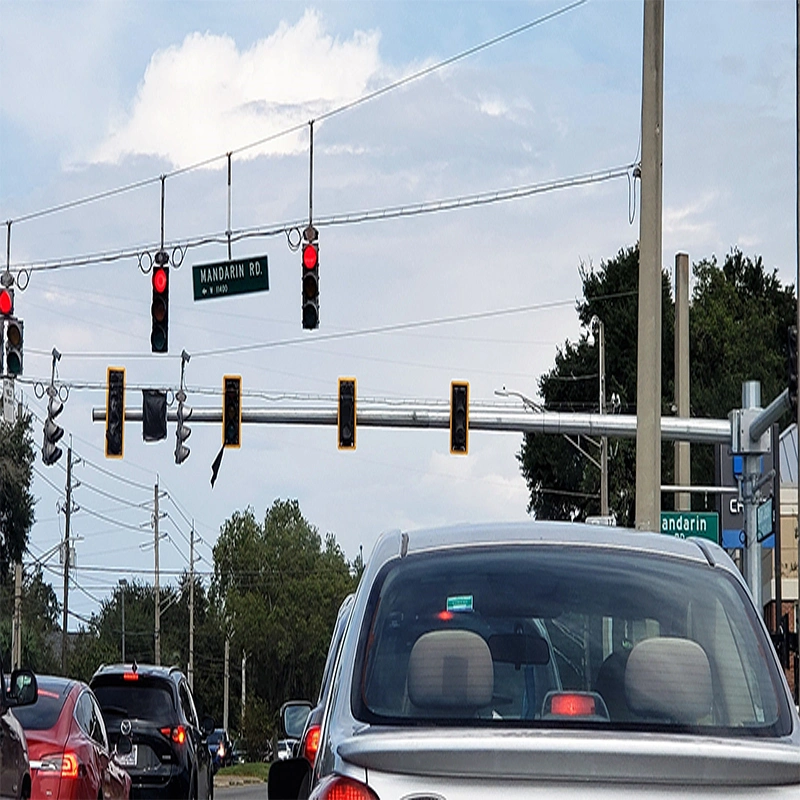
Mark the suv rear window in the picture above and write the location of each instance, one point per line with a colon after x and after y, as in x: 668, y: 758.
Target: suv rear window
x: 141, y: 699
x: 544, y: 636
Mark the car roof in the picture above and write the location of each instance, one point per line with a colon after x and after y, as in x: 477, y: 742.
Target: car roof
x: 539, y: 532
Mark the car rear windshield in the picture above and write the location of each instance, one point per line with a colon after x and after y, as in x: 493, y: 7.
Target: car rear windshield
x: 140, y: 699
x: 43, y: 714
x: 566, y: 636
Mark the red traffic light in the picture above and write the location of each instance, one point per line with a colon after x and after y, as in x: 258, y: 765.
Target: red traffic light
x: 6, y: 302
x: 310, y: 256
x: 159, y: 280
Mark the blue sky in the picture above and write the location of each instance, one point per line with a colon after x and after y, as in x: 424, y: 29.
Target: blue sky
x: 99, y: 95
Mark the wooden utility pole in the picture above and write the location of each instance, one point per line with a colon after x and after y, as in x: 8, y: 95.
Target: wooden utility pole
x: 190, y: 671
x: 157, y: 584
x: 67, y: 514
x: 648, y: 380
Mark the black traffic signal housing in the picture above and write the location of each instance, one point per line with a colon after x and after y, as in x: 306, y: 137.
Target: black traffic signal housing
x: 310, y: 252
x: 14, y: 332
x: 791, y: 365
x: 115, y: 411
x: 183, y: 431
x: 459, y: 417
x: 346, y: 416
x: 159, y: 309
x: 232, y: 411
x: 51, y: 452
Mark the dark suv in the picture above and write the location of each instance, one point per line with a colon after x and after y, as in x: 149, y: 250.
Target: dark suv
x: 153, y: 708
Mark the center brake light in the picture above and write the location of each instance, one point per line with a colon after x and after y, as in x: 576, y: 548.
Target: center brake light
x: 572, y: 704
x: 130, y: 676
x: 177, y: 734
x: 311, y: 744
x: 337, y: 787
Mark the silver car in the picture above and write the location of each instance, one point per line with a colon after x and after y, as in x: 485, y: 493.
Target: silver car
x: 555, y: 660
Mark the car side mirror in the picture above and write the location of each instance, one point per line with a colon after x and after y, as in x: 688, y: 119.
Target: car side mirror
x: 207, y: 725
x: 23, y: 689
x: 293, y: 717
x: 124, y: 746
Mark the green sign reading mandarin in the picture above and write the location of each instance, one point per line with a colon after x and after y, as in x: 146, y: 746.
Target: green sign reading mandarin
x: 691, y: 523
x: 230, y: 277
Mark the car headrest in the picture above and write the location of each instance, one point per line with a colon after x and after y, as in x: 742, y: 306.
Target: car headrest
x: 450, y: 669
x: 670, y: 679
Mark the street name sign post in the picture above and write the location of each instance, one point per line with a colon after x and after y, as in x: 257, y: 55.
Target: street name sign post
x: 226, y: 278
x: 691, y: 523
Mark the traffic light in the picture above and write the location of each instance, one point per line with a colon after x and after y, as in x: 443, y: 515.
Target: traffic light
x: 115, y: 411
x: 13, y: 346
x: 159, y: 310
x: 183, y: 431
x: 459, y: 417
x: 310, y: 251
x: 791, y: 364
x: 52, y: 432
x: 232, y: 411
x: 346, y: 418
x: 6, y: 301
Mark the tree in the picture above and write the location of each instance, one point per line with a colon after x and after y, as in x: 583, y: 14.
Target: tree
x: 16, y: 500
x: 738, y: 320
x: 278, y: 588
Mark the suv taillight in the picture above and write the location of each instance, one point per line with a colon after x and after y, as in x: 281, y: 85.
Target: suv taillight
x: 311, y: 744
x: 177, y: 733
x: 337, y: 787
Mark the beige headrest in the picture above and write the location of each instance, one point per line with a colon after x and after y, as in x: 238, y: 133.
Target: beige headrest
x: 450, y: 669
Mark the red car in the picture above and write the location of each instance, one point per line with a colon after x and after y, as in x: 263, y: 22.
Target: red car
x: 68, y: 745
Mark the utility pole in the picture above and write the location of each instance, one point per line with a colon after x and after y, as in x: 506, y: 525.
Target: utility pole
x: 244, y: 673
x: 157, y: 586
x: 648, y: 377
x: 123, y: 587
x: 601, y: 346
x: 190, y: 671
x: 67, y: 514
x: 683, y: 473
x: 16, y: 634
x: 226, y: 679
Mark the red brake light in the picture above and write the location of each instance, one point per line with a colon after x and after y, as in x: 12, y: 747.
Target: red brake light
x: 130, y: 676
x: 573, y: 705
x: 444, y: 616
x: 69, y: 765
x: 311, y: 744
x: 177, y: 734
x: 337, y: 787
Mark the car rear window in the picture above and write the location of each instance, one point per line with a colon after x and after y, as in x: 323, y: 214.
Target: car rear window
x: 43, y: 714
x: 546, y: 636
x: 140, y: 699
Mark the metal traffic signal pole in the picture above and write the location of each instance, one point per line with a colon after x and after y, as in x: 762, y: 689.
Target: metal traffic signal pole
x: 482, y: 417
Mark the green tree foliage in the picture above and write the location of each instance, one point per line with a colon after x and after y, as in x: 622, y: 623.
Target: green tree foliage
x: 279, y: 587
x: 16, y: 500
x: 40, y: 629
x: 738, y: 323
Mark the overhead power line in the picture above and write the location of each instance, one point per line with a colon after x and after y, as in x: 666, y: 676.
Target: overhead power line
x: 351, y: 218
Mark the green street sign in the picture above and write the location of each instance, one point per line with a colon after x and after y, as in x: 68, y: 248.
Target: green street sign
x: 225, y: 278
x: 691, y: 523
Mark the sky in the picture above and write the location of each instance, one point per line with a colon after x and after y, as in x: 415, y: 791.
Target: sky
x: 101, y: 99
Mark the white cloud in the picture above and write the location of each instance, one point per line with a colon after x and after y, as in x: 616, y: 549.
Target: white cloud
x: 204, y: 97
